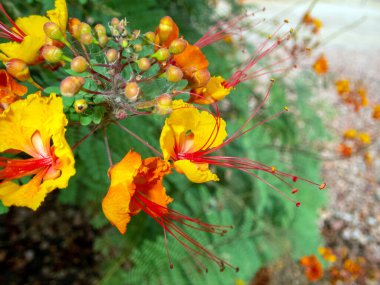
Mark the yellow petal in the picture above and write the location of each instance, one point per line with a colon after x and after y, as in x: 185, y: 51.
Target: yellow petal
x: 33, y: 25
x: 212, y: 92
x: 197, y: 173
x: 18, y: 124
x: 28, y: 195
x: 27, y: 50
x: 116, y: 203
x: 59, y: 14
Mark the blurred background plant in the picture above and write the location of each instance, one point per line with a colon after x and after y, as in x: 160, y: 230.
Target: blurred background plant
x: 69, y: 241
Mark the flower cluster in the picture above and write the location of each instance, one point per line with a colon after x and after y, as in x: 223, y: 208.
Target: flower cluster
x: 114, y: 85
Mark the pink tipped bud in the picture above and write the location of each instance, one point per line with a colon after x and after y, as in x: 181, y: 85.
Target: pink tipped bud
x: 52, y: 54
x: 162, y: 54
x: 149, y: 37
x: 177, y: 46
x: 163, y: 104
x: 80, y: 106
x: 103, y: 40
x: 137, y: 47
x: 79, y: 64
x: 143, y: 64
x: 115, y: 22
x: 73, y: 27
x: 322, y: 186
x: 71, y: 85
x: 18, y: 69
x: 200, y: 78
x: 132, y: 91
x: 112, y: 55
x: 53, y: 31
x: 84, y: 28
x: 100, y: 30
x: 173, y: 73
x: 86, y: 39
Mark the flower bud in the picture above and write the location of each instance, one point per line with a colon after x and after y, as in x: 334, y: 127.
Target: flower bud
x: 111, y: 55
x: 73, y: 27
x: 124, y: 43
x: 86, y: 39
x: 173, y: 74
x: 18, y: 69
x: 165, y: 28
x: 132, y: 91
x: 115, y: 22
x: 137, y: 47
x: 177, y: 46
x: 84, y: 28
x: 80, y: 105
x: 149, y: 37
x: 143, y: 64
x: 52, y: 54
x: 100, y: 30
x: 79, y: 64
x: 200, y: 78
x: 162, y: 54
x: 53, y: 31
x: 71, y: 85
x: 103, y: 40
x: 163, y: 104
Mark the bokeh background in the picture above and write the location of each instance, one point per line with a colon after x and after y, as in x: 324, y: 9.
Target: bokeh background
x: 69, y: 241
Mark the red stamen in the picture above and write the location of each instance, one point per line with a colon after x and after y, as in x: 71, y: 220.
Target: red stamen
x: 167, y: 218
x: 7, y: 32
x: 17, y: 168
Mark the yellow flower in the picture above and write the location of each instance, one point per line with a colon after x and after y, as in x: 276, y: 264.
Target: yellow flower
x: 364, y: 138
x: 189, y: 131
x: 34, y: 127
x: 214, y: 91
x: 342, y: 86
x: 350, y: 134
x: 327, y: 254
x: 27, y: 35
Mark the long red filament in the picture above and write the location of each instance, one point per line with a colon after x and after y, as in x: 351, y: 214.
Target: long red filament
x: 166, y: 218
x: 6, y: 32
x: 17, y: 168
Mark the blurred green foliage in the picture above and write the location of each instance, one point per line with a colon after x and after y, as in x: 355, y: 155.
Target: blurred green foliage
x: 266, y: 225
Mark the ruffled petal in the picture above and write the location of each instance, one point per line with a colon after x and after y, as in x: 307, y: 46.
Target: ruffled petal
x: 28, y: 195
x: 59, y: 14
x: 28, y: 50
x: 116, y: 203
x: 195, y: 172
x: 212, y: 92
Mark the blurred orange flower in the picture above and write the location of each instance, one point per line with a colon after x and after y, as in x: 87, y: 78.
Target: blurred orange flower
x: 327, y: 254
x: 321, y: 65
x: 10, y: 90
x: 313, y: 268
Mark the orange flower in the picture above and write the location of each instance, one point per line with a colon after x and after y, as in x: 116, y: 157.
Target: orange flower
x: 352, y: 267
x: 317, y: 25
x: 345, y: 150
x: 136, y: 185
x: 376, y: 112
x: 327, y: 254
x: 321, y: 65
x: 10, y: 90
x: 307, y: 19
x: 313, y: 268
x: 350, y: 134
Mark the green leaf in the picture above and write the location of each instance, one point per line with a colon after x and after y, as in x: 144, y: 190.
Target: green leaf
x: 52, y: 89
x: 67, y: 102
x: 85, y: 120
x: 3, y: 209
x: 99, y: 99
x: 98, y: 114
